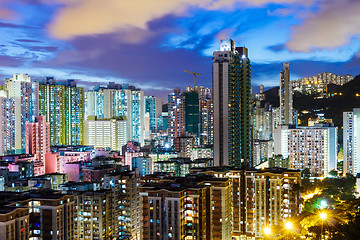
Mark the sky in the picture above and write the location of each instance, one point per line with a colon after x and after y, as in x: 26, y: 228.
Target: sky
x: 148, y: 44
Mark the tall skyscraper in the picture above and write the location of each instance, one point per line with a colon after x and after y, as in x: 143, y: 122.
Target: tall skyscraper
x: 26, y: 96
x: 351, y: 142
x: 206, y: 116
x: 116, y: 101
x: 176, y: 114
x: 7, y: 124
x: 192, y: 118
x: 153, y: 106
x: 286, y: 102
x: 62, y: 102
x: 38, y: 142
x: 231, y: 91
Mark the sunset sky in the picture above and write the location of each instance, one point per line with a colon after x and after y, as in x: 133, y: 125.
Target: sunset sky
x: 148, y: 43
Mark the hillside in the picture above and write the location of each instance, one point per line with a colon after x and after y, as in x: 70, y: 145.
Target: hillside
x: 343, y: 98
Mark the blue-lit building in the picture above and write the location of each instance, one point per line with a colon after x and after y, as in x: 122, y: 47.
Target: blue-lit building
x: 26, y: 97
x: 119, y: 101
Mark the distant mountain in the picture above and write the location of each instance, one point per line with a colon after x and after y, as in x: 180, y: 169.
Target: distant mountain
x: 343, y: 98
x: 272, y: 96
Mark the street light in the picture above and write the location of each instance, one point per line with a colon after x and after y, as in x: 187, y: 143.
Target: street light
x: 288, y: 227
x: 323, y: 217
x: 267, y: 232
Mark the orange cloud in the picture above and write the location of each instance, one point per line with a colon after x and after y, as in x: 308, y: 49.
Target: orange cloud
x: 333, y: 27
x: 86, y: 17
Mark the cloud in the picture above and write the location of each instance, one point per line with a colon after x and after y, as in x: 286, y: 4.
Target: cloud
x: 44, y: 48
x: 277, y: 48
x: 281, y: 12
x: 11, y: 25
x: 88, y: 17
x: 5, y: 12
x: 334, y: 26
x: 10, y: 61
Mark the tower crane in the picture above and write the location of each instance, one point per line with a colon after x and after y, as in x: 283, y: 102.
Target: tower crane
x: 195, y: 74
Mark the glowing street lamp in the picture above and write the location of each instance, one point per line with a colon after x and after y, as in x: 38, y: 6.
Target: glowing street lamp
x: 267, y: 232
x: 288, y: 225
x: 323, y: 217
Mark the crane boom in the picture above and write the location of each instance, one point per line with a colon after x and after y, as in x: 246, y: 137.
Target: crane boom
x: 195, y: 74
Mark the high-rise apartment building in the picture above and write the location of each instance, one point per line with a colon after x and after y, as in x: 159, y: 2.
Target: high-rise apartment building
x: 7, y: 124
x: 105, y: 133
x: 38, y: 142
x: 153, y: 106
x: 231, y: 91
x: 14, y: 223
x: 259, y: 198
x: 206, y: 118
x: 26, y: 96
x: 51, y: 215
x: 184, y: 145
x: 314, y: 148
x: 119, y: 101
x: 62, y: 102
x: 351, y: 142
x: 192, y: 118
x: 176, y: 114
x: 194, y: 207
x: 285, y: 93
x: 93, y: 219
x: 126, y: 208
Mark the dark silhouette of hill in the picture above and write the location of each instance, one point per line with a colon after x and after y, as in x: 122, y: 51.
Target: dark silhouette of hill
x: 343, y: 98
x: 272, y: 96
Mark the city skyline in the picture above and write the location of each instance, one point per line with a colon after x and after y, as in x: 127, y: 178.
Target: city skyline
x: 40, y: 38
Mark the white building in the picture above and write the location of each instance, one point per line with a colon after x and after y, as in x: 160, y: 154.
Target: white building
x: 106, y: 133
x: 116, y: 101
x: 351, y: 142
x: 308, y: 147
x: 7, y: 124
x: 26, y: 96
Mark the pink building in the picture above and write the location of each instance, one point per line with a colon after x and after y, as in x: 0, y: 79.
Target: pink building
x: 56, y: 160
x: 74, y: 171
x: 52, y: 162
x: 38, y: 142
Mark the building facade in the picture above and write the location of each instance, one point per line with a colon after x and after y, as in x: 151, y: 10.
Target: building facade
x: 176, y: 114
x: 153, y: 106
x: 119, y: 101
x: 38, y: 142
x: 285, y: 93
x: 26, y: 97
x: 231, y: 91
x: 7, y: 124
x: 106, y: 133
x: 314, y: 148
x: 259, y: 198
x: 62, y: 102
x: 351, y: 142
